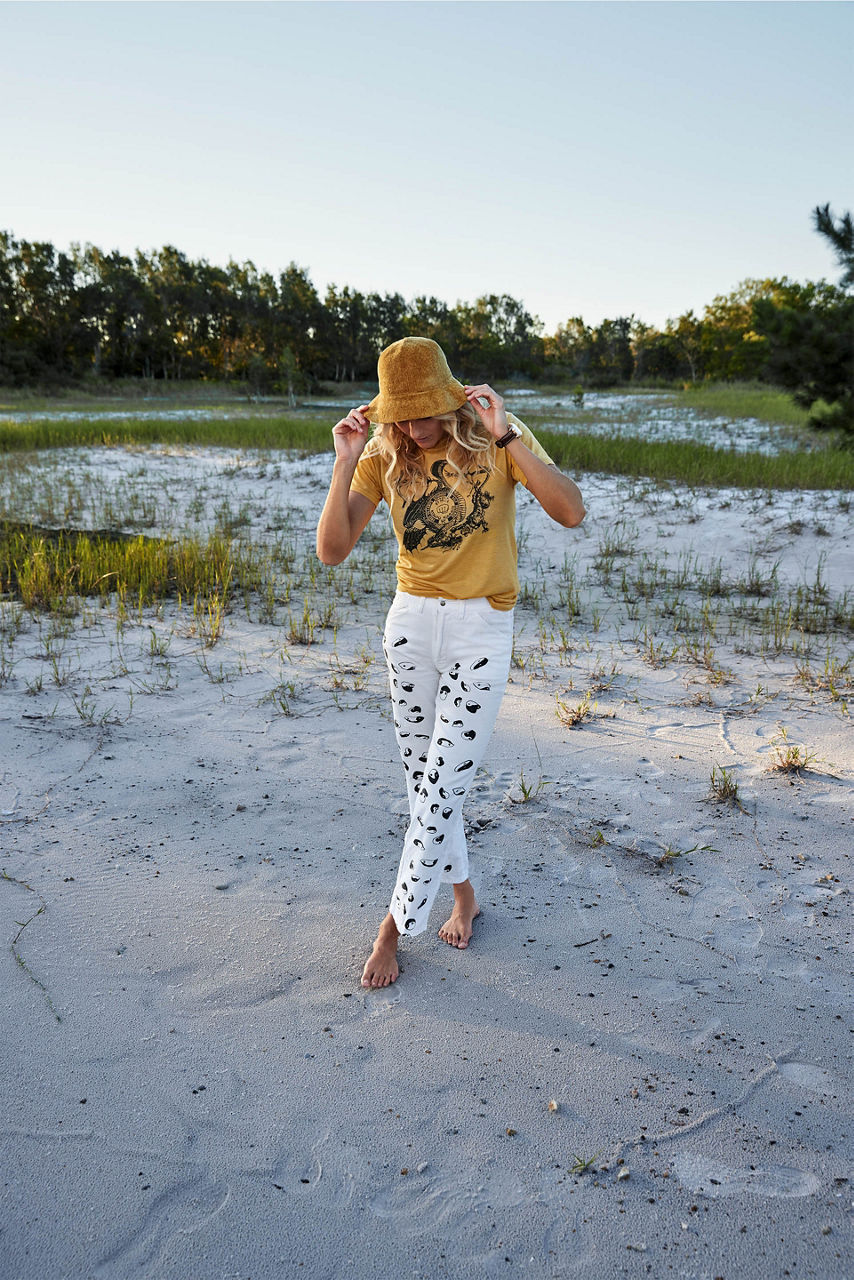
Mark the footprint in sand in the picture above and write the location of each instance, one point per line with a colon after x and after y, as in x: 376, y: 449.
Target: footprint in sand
x: 726, y: 917
x: 444, y: 1201
x: 808, y: 1076
x: 242, y: 993
x: 178, y: 1211
x: 699, y: 1038
x: 709, y: 1177
x: 669, y: 990
x: 306, y: 1169
x: 564, y: 1239
x: 378, y: 1004
x: 324, y: 1173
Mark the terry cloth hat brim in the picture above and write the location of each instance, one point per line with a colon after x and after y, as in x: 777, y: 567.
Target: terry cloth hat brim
x: 415, y: 382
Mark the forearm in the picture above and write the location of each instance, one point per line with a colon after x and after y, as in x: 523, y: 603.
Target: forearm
x: 334, y: 534
x: 559, y: 496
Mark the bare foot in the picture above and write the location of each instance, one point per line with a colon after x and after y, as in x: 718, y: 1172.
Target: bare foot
x: 456, y: 930
x: 381, y: 967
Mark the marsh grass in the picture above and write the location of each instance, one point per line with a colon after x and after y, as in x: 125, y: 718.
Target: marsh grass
x: 792, y: 758
x: 723, y: 786
x: 524, y: 791
x: 835, y: 678
x: 670, y: 853
x: 681, y: 461
x: 691, y: 463
x: 306, y: 434
x: 573, y: 716
x: 50, y: 570
x: 744, y: 400
x: 699, y: 601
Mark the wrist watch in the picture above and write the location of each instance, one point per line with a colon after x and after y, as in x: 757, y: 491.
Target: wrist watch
x: 513, y: 433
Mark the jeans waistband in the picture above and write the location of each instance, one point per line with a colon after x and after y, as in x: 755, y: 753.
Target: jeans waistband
x: 435, y: 604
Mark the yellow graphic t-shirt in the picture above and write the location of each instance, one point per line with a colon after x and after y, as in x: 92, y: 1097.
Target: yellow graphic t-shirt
x: 458, y: 543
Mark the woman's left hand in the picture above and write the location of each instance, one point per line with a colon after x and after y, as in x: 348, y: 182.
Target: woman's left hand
x: 493, y: 416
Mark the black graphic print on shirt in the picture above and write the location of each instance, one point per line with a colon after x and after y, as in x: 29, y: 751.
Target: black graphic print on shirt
x: 445, y: 516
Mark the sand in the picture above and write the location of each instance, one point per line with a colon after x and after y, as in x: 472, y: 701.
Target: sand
x: 658, y: 987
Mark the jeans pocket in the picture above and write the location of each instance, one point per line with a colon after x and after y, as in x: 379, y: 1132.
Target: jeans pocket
x: 483, y: 611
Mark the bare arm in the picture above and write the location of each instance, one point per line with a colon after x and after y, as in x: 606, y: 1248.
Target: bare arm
x: 345, y: 513
x: 559, y: 496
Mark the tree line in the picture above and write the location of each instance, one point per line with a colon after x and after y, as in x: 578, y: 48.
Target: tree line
x: 80, y: 314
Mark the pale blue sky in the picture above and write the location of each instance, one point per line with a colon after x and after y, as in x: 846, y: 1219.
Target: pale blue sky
x: 594, y: 159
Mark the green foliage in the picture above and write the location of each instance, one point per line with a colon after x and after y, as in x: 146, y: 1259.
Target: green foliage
x: 841, y: 238
x: 162, y: 317
x: 600, y: 357
x: 810, y: 350
x: 812, y: 354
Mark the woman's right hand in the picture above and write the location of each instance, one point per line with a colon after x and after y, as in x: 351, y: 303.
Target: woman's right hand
x: 350, y: 435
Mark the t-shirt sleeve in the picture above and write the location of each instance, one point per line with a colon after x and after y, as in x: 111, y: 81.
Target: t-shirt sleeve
x: 531, y: 442
x: 368, y: 476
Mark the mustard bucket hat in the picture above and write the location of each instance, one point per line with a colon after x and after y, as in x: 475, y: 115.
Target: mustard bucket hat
x: 415, y: 382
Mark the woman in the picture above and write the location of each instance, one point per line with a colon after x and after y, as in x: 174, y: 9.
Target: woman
x: 446, y: 459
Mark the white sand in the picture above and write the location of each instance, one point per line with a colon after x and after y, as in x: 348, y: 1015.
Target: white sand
x: 197, y: 1086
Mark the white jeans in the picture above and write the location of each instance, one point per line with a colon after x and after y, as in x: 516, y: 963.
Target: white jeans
x: 448, y: 663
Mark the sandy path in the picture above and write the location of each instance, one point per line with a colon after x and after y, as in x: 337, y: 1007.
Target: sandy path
x: 196, y: 1084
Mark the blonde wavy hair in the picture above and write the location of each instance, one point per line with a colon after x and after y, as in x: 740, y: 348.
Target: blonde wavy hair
x: 470, y: 448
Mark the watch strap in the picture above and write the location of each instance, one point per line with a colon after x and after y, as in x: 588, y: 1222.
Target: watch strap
x: 513, y: 433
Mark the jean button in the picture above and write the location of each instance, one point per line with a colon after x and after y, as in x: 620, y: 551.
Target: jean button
x: 442, y: 602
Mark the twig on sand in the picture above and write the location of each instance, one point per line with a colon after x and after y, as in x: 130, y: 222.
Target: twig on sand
x: 650, y: 1140
x: 13, y: 946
